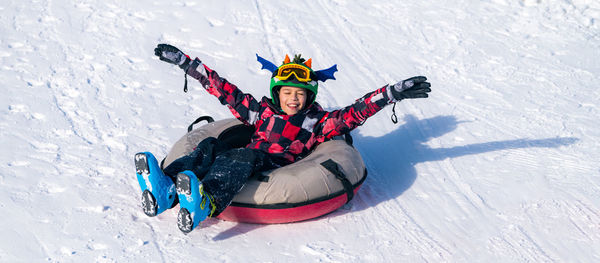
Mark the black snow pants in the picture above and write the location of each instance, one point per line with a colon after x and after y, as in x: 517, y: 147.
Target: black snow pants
x: 223, y: 171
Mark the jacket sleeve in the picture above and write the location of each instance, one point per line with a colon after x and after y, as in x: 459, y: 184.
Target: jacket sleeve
x: 243, y: 106
x: 344, y: 120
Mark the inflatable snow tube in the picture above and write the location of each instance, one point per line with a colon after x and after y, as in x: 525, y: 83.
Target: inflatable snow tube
x: 318, y: 184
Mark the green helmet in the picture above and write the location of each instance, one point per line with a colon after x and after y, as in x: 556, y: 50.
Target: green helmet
x: 296, y: 73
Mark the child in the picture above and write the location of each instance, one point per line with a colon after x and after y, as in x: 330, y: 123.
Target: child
x: 287, y: 127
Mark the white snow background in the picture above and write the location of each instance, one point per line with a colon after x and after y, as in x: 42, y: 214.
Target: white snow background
x: 499, y: 164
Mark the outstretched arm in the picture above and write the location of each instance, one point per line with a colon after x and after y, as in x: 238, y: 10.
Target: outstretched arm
x: 344, y: 120
x: 243, y: 106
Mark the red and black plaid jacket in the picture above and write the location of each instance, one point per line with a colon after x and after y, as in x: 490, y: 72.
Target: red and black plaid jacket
x: 288, y: 137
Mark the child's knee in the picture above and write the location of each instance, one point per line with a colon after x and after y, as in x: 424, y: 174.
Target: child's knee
x: 243, y: 155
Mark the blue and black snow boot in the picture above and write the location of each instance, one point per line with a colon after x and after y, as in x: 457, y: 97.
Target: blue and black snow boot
x: 195, y: 204
x: 158, y: 190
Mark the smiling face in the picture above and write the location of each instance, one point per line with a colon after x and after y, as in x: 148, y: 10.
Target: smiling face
x: 292, y: 99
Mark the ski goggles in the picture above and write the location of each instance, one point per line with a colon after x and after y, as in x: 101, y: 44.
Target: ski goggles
x: 301, y: 73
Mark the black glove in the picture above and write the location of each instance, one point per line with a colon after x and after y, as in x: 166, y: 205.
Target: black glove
x: 172, y: 55
x: 412, y: 88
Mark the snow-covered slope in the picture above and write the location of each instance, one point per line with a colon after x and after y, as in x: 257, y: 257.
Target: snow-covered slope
x: 499, y: 164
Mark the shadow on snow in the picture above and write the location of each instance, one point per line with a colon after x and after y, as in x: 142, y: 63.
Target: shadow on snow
x: 391, y: 158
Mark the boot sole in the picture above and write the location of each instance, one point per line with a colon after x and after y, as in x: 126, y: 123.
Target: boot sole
x: 184, y: 221
x: 183, y: 184
x: 149, y: 204
x: 141, y: 164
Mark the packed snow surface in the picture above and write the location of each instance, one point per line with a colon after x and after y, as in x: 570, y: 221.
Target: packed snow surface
x: 501, y: 163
